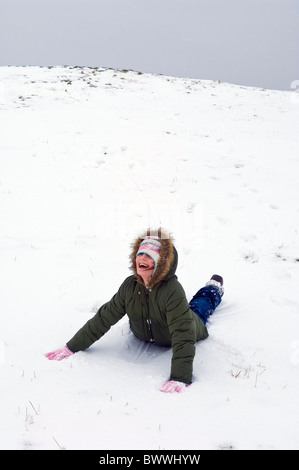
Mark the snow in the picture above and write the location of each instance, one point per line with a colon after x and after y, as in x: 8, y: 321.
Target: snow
x: 90, y: 157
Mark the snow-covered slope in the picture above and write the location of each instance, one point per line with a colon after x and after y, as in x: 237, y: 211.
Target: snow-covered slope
x: 91, y: 157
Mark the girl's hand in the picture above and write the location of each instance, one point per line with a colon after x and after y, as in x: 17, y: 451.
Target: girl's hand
x: 173, y: 386
x: 59, y: 354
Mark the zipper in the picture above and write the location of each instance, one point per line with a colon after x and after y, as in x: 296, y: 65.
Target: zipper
x: 148, y: 319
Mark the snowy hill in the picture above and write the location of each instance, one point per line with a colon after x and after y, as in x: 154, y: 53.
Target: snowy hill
x: 91, y: 157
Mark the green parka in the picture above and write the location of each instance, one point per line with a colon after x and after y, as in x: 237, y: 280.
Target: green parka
x: 158, y: 312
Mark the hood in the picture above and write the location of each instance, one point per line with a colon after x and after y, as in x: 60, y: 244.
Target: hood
x: 168, y: 260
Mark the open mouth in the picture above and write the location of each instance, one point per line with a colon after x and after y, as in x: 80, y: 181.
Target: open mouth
x: 143, y: 265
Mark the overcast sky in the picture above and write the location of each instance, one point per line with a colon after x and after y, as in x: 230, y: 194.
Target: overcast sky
x: 248, y: 42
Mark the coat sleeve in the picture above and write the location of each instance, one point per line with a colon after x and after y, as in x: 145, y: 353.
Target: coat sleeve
x: 107, y: 315
x: 183, y: 335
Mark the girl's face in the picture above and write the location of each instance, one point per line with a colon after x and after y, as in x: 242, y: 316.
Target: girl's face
x: 144, y: 264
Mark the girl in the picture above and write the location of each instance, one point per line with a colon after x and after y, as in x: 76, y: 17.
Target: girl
x: 156, y: 305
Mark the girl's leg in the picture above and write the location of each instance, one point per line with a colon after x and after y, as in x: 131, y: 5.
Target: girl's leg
x: 205, y: 302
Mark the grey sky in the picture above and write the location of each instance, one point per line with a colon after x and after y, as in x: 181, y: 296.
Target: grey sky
x: 248, y: 42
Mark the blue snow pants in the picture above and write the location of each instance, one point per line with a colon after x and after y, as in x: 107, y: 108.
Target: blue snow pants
x: 205, y: 302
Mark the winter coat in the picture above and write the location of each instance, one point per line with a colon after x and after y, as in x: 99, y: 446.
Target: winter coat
x: 158, y: 312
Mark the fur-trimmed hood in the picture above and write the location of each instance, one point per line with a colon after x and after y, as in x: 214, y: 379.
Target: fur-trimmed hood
x: 168, y: 259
